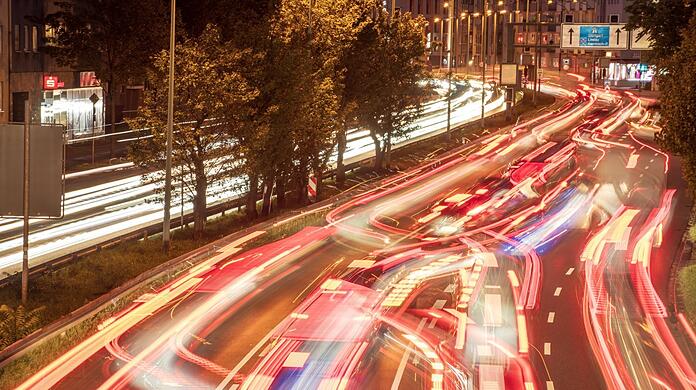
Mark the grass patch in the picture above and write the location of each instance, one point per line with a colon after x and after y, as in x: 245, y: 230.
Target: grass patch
x: 687, y: 290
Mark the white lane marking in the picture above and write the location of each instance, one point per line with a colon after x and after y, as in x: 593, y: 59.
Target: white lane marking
x: 557, y: 292
x: 404, y: 360
x: 549, y: 385
x: 552, y: 317
x: 492, y: 314
x: 632, y: 161
x: 570, y: 271
x: 246, y: 359
x: 547, y: 349
x: 432, y: 323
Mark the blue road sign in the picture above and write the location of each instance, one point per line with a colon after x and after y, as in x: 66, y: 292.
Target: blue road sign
x: 593, y: 36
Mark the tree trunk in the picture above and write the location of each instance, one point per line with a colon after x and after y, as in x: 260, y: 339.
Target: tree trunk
x: 302, y: 183
x: 341, y: 143
x: 387, y: 151
x: 320, y: 178
x: 200, y: 201
x: 252, y: 196
x: 379, y: 154
x: 267, y: 194
x: 280, y: 191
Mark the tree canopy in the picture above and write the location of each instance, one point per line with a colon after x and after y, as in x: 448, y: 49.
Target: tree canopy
x: 662, y: 21
x: 114, y: 38
x: 678, y: 102
x: 273, y: 106
x: 211, y: 103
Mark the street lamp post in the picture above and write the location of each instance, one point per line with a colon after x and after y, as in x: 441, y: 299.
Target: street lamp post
x: 484, y: 53
x: 166, y: 235
x: 450, y: 19
x: 537, y: 53
x: 25, y: 204
x: 442, y: 43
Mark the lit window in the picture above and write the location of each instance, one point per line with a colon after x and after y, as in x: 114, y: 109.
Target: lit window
x: 35, y: 39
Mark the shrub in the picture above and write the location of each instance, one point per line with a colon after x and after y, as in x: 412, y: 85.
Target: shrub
x: 687, y: 289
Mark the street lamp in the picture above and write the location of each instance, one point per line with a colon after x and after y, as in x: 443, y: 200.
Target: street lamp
x: 442, y: 33
x: 166, y: 239
x: 450, y: 41
x: 468, y: 30
x: 495, y: 36
x: 483, y: 69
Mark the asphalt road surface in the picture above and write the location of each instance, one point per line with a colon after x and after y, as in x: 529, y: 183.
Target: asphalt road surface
x: 537, y: 258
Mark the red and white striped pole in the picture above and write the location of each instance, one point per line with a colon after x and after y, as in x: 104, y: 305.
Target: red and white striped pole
x: 312, y: 187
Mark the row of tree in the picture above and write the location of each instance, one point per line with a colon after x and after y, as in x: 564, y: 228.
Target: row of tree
x: 265, y: 90
x: 671, y: 26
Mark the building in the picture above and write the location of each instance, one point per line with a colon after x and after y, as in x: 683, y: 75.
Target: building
x: 519, y: 31
x: 57, y: 94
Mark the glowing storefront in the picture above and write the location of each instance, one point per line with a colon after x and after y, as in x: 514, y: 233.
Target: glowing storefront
x: 72, y: 107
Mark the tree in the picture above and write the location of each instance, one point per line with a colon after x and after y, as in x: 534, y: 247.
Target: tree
x: 678, y: 102
x: 17, y: 323
x: 211, y: 106
x: 389, y: 69
x: 662, y: 21
x: 113, y: 38
x: 300, y: 82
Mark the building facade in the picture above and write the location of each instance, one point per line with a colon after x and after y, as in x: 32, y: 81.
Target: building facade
x: 519, y: 31
x: 57, y: 94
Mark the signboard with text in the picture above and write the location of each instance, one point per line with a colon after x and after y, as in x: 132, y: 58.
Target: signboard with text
x: 52, y: 82
x: 594, y: 36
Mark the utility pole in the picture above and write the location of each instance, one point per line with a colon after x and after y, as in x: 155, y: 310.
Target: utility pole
x: 442, y: 44
x: 495, y: 40
x: 537, y: 53
x: 468, y: 43
x: 166, y: 234
x: 25, y: 205
x: 450, y: 20
x: 484, y: 54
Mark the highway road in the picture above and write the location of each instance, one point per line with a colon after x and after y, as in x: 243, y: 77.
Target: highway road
x: 106, y: 203
x: 535, y: 258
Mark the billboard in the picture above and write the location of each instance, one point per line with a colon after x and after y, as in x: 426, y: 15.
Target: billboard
x: 594, y: 36
x: 46, y: 162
